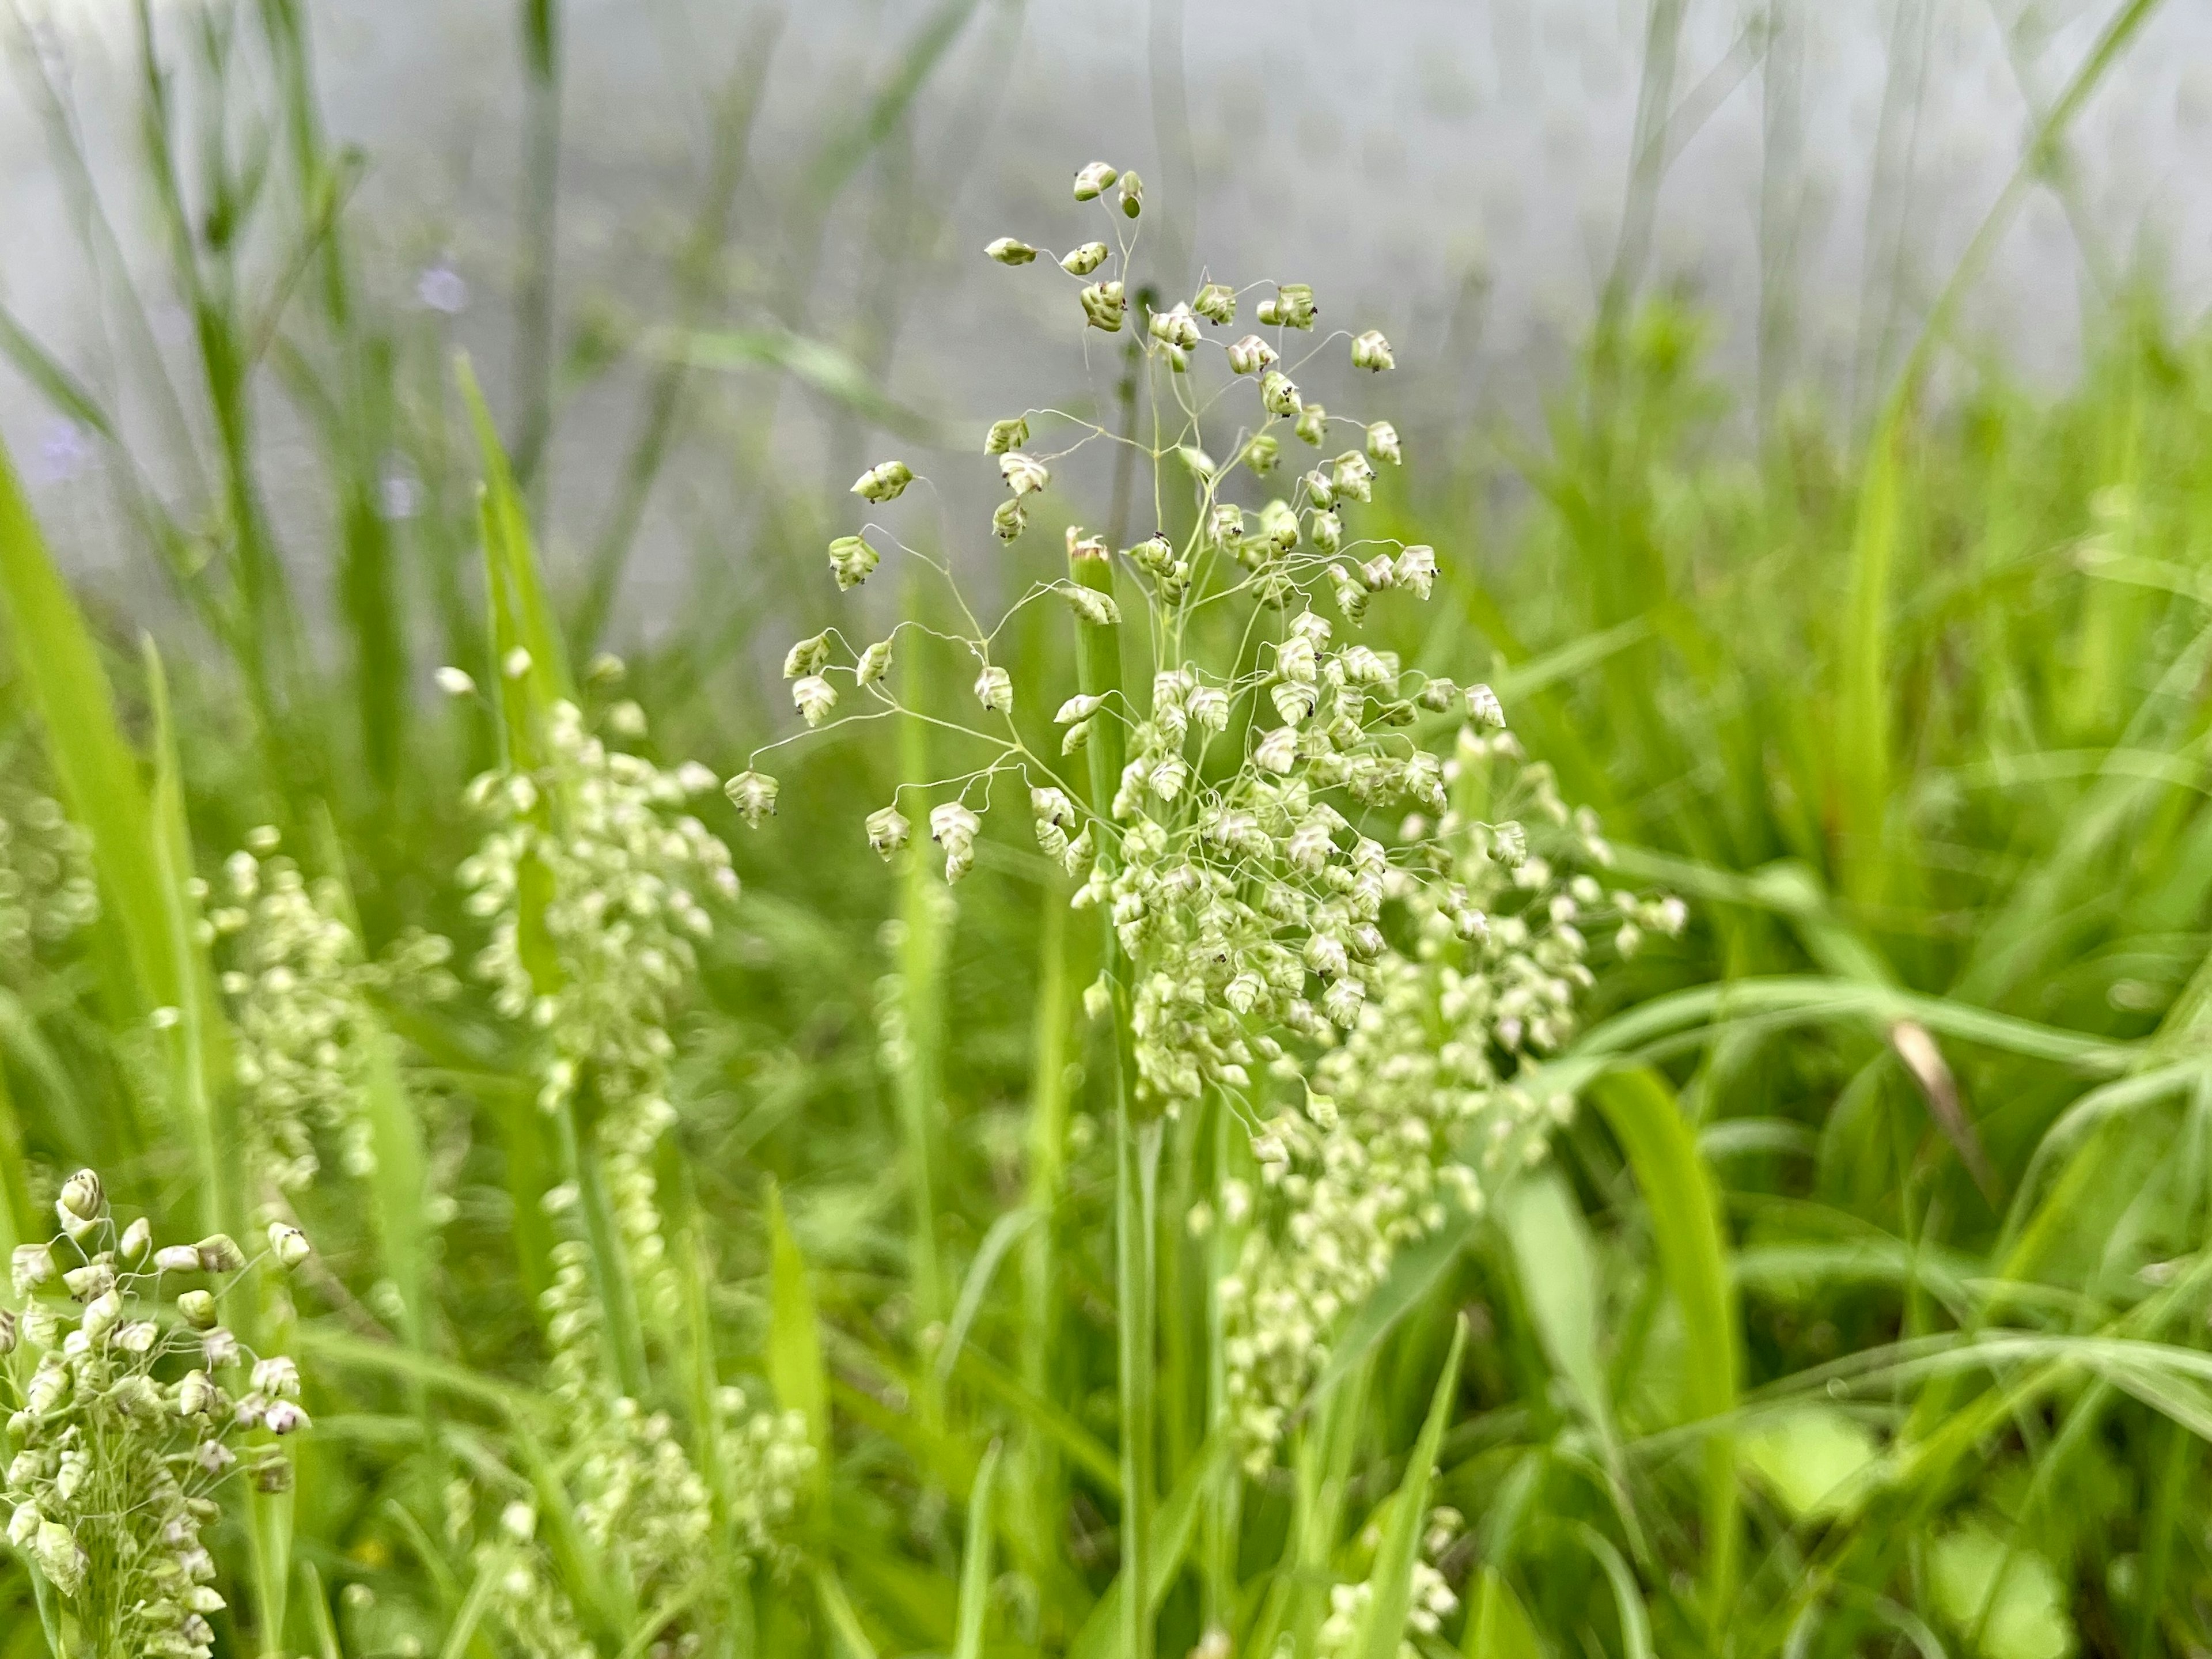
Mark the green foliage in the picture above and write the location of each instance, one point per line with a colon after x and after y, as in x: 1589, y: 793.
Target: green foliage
x: 1860, y: 1307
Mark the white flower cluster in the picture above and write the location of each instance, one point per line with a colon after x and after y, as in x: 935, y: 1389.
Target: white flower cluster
x: 297, y: 985
x: 47, y: 890
x: 639, y: 1498
x: 127, y: 1412
x: 1309, y: 899
x: 526, y: 1598
x: 1430, y: 1603
x: 617, y: 869
x: 1420, y: 1105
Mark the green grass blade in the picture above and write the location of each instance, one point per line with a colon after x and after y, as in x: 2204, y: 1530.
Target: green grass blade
x: 97, y: 772
x: 1497, y: 1626
x: 796, y: 1368
x: 1554, y: 1256
x: 852, y: 1641
x: 975, y: 1561
x: 1390, y: 1582
x: 1685, y: 1208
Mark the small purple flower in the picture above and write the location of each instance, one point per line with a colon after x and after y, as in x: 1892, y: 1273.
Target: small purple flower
x: 64, y: 452
x: 440, y: 287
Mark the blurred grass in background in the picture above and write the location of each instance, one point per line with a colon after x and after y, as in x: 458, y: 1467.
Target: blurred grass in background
x: 1914, y: 711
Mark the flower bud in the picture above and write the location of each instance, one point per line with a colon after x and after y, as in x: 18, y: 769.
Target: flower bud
x: 136, y: 1239
x: 1132, y: 195
x: 284, y: 1418
x: 271, y: 1479
x: 94, y: 1279
x: 1093, y: 180
x: 515, y: 663
x: 1279, y: 526
x: 1175, y: 326
x: 1276, y: 392
x: 875, y: 662
x: 1262, y: 454
x: 177, y: 1258
x: 1482, y: 703
x: 454, y: 682
x: 1217, y: 303
x: 1094, y: 607
x: 1319, y: 491
x: 814, y: 697
x: 1353, y: 477
x: 287, y: 1244
x: 1383, y: 442
x: 1250, y: 355
x: 885, y: 481
x: 1312, y: 424
x: 82, y: 1196
x: 219, y: 1254
x: 1293, y: 306
x: 888, y: 831
x: 852, y: 561
x: 1082, y: 261
x: 1416, y: 568
x: 1326, y: 530
x: 23, y: 1525
x: 1010, y: 250
x: 55, y: 1550
x: 994, y: 688
x: 101, y: 1315
x: 195, y: 1395
x: 1371, y: 351
x: 277, y: 1377
x: 1154, y: 555
x: 953, y: 827
x: 1025, y: 474
x: 1277, y: 749
x: 1103, y: 304
x: 30, y: 1267
x: 1007, y: 434
x: 753, y: 794
x: 1009, y: 520
x: 8, y: 1329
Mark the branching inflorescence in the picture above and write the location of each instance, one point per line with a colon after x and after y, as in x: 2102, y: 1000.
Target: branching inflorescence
x: 1314, y: 859
x: 131, y: 1403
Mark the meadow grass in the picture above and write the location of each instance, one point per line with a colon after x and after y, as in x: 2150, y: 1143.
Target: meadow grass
x: 1861, y: 1306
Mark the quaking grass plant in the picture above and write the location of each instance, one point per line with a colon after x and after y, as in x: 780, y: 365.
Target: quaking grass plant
x: 1338, y: 907
x: 132, y: 1405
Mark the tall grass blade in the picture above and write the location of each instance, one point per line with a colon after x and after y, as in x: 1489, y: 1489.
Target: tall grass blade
x: 1497, y: 1626
x: 94, y: 765
x: 1679, y: 1192
x: 975, y: 1560
x: 1390, y: 1582
x: 796, y: 1368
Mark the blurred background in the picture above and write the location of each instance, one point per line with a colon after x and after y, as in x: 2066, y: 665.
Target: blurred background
x: 1461, y: 175
x: 1811, y: 408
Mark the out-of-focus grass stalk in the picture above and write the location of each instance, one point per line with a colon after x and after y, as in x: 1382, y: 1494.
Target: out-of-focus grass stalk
x: 699, y: 286
x: 538, y: 240
x: 925, y: 910
x: 1224, y: 1516
x: 352, y: 399
x: 1040, y: 1492
x: 265, y: 638
x: 1136, y: 1143
x: 1862, y: 747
